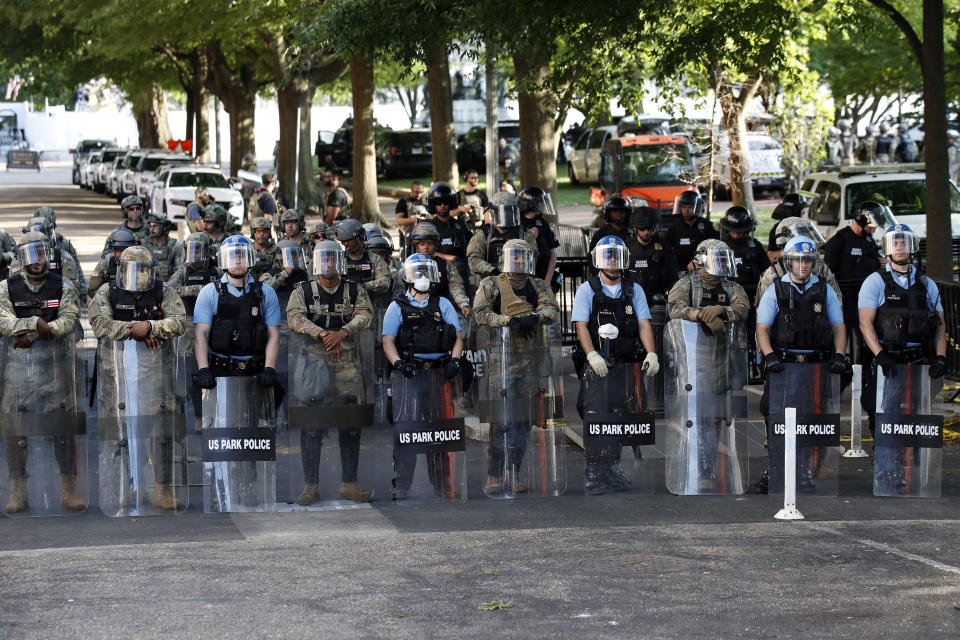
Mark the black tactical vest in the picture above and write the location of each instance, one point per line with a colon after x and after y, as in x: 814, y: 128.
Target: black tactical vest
x: 543, y: 244
x: 111, y: 269
x: 748, y: 260
x: 442, y: 288
x: 327, y: 310
x: 496, y: 238
x: 238, y: 326
x: 423, y: 330
x: 359, y: 269
x: 528, y: 292
x: 883, y: 145
x: 56, y: 265
x: 135, y: 307
x: 802, y: 322
x: 904, y: 315
x: 192, y: 278
x: 647, y: 267
x: 45, y: 303
x: 619, y: 312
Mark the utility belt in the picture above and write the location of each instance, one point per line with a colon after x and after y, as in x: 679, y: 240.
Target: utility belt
x: 813, y: 357
x: 423, y: 363
x: 913, y: 355
x: 636, y: 356
x: 225, y: 366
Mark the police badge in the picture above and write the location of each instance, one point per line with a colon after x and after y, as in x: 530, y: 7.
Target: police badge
x: 629, y: 309
x: 817, y: 307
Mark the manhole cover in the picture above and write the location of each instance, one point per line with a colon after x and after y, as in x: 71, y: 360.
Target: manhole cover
x: 638, y: 562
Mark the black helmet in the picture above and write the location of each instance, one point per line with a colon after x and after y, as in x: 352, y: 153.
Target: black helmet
x: 441, y: 193
x: 529, y: 198
x: 791, y: 206
x: 216, y: 214
x: 121, y: 239
x: 380, y: 243
x: 868, y: 213
x: 689, y: 198
x: 738, y: 218
x: 617, y: 202
x: 645, y: 217
x: 350, y: 229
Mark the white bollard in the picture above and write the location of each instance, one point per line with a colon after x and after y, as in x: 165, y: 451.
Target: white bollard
x: 789, y: 511
x: 856, y: 416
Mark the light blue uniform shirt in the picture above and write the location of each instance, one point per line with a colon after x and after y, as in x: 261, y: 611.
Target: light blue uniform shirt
x: 393, y: 317
x: 206, y: 305
x: 872, y: 291
x: 583, y: 300
x: 768, y: 308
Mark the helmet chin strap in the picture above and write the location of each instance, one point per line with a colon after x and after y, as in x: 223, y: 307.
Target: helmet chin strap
x: 903, y: 263
x: 616, y: 277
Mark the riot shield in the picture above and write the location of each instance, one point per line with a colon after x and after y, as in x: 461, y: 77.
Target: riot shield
x: 239, y: 446
x: 429, y: 438
x: 518, y: 399
x: 330, y: 402
x: 143, y: 455
x: 42, y: 426
x: 815, y: 393
x: 908, y: 438
x: 381, y: 368
x: 704, y: 447
x: 658, y: 321
x: 188, y: 393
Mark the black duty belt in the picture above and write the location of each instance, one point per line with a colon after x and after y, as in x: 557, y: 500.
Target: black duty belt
x: 908, y: 356
x: 227, y: 366
x: 439, y: 363
x: 812, y: 357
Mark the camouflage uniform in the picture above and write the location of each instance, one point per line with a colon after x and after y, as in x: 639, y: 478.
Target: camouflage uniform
x: 168, y: 256
x: 100, y: 275
x: 68, y: 268
x: 380, y: 282
x: 776, y: 271
x: 679, y: 300
x: 106, y: 328
x: 8, y: 253
x: 477, y: 252
x: 278, y: 278
x: 489, y: 289
x: 265, y: 259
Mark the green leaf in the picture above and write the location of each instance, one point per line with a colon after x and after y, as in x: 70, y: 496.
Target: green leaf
x: 494, y: 605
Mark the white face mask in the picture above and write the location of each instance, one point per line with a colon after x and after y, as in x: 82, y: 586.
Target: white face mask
x: 422, y: 284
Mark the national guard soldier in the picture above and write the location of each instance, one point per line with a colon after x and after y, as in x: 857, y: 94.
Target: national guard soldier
x: 337, y: 203
x: 483, y: 252
x: 131, y: 208
x: 61, y: 262
x: 790, y: 228
x: 290, y: 262
x: 166, y: 250
x: 106, y: 269
x: 852, y: 255
x: 799, y: 321
x: 422, y: 338
x: 363, y: 266
x: 905, y: 149
x: 534, y: 203
x: 519, y: 301
x: 616, y: 213
x: 651, y: 265
x: 612, y: 322
x: 472, y: 201
x: 454, y: 235
x: 901, y: 320
x: 690, y: 229
x: 263, y: 245
x: 131, y: 317
x: 383, y: 246
x: 237, y: 322
x: 58, y: 241
x: 263, y: 203
x: 36, y: 305
x: 194, y: 213
x: 327, y: 378
x: 709, y: 294
x: 215, y: 225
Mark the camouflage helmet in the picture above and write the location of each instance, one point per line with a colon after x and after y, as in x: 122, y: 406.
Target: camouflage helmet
x: 216, y: 214
x: 259, y: 223
x: 48, y: 213
x: 32, y: 236
x: 292, y: 215
x: 136, y: 269
x: 121, y: 238
x: 130, y: 201
x: 716, y: 258
x: 34, y: 248
x: 518, y: 258
x: 196, y: 248
x: 137, y: 254
x: 40, y: 225
x: 323, y: 229
x: 425, y: 231
x: 165, y: 225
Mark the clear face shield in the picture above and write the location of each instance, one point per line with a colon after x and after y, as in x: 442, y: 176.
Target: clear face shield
x: 521, y: 261
x: 195, y: 252
x: 135, y: 276
x: 34, y: 253
x: 610, y: 257
x: 291, y: 257
x: 421, y: 275
x: 544, y: 207
x: 40, y: 228
x: 807, y: 228
x: 900, y: 242
x: 236, y: 257
x: 328, y: 262
x: 718, y: 262
x: 505, y: 216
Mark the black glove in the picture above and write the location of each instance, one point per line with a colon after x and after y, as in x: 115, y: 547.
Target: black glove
x: 528, y: 325
x: 515, y: 324
x: 452, y: 370
x: 205, y: 379
x: 466, y: 371
x: 886, y: 363
x: 267, y: 377
x: 839, y: 364
x: 773, y: 362
x: 405, y: 368
x: 938, y: 367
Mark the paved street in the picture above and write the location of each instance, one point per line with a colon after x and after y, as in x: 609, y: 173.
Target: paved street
x: 647, y: 565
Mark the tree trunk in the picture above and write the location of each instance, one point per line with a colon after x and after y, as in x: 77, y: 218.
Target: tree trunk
x: 152, y: 123
x: 288, y: 99
x: 734, y: 116
x: 442, y: 135
x: 365, y: 205
x: 241, y: 109
x: 538, y: 130
x: 308, y: 189
x: 191, y: 114
x: 939, y: 255
x: 201, y: 145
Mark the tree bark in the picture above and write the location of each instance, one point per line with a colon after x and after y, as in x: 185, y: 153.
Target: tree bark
x: 191, y: 114
x: 939, y: 237
x: 241, y: 109
x: 442, y: 134
x: 538, y: 130
x: 151, y: 115
x: 308, y: 191
x: 288, y: 99
x: 734, y: 116
x: 365, y: 205
x: 201, y: 145
x: 237, y: 90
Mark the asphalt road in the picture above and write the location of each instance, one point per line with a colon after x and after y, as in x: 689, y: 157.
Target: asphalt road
x: 645, y: 565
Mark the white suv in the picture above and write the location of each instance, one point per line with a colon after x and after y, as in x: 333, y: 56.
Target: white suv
x: 176, y: 187
x: 148, y: 166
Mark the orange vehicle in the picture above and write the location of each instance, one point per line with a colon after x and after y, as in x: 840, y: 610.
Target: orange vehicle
x: 649, y: 170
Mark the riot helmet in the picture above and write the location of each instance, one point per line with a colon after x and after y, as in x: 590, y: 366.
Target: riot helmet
x: 504, y: 216
x: 535, y: 199
x: 870, y: 129
x: 329, y: 260
x: 48, y: 213
x: 441, y: 194
x: 425, y: 232
x: 952, y: 134
x: 136, y: 269
x: 159, y: 225
x: 690, y: 201
x: 421, y: 272
x: 290, y: 254
x: 792, y: 227
x: 350, y: 230
x: 34, y: 249
x: 716, y: 258
x: 121, y: 239
x: 738, y: 219
x: 901, y: 128
x: 868, y: 214
x: 791, y: 206
x: 196, y: 249
x: 644, y: 218
x: 371, y: 229
x: 39, y: 225
x: 799, y: 256
x: 610, y: 254
x: 292, y: 215
x: 884, y: 127
x: 321, y: 231
x: 216, y: 215
x: 380, y: 245
x: 131, y: 203
x: 236, y: 252
x: 900, y: 239
x: 518, y: 258
x: 617, y: 210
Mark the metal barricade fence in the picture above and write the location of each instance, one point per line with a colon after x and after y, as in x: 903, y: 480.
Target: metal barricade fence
x: 573, y: 260
x: 950, y: 297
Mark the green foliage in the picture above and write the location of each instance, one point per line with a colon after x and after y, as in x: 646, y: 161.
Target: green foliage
x: 494, y: 605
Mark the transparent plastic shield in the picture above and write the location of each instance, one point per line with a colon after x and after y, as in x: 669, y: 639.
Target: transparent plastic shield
x: 327, y: 447
x: 908, y: 439
x: 616, y: 423
x: 704, y: 447
x: 518, y: 400
x: 239, y: 447
x: 815, y: 393
x: 381, y: 368
x: 429, y: 439
x: 143, y: 457
x: 43, y: 426
x: 188, y: 393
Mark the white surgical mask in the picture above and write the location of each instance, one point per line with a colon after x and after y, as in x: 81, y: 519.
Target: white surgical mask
x: 422, y: 284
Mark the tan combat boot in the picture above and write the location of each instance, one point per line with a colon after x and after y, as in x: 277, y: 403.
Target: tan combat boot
x: 163, y: 498
x: 516, y: 484
x: 351, y: 491
x: 18, y: 496
x: 69, y: 499
x: 493, y: 485
x: 309, y: 495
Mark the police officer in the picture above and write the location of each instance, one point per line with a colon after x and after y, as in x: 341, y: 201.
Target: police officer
x: 534, y: 203
x: 790, y: 228
x: 517, y: 299
x: 608, y: 299
x: 425, y: 239
x: 411, y: 208
x: 454, y: 235
x: 37, y: 305
x: 421, y: 330
x: 791, y: 206
x: 363, y: 266
x: 472, y: 201
x: 884, y: 144
x: 330, y: 309
x: 215, y: 225
x: 615, y: 213
x: 906, y: 148
x: 194, y: 213
x: 336, y: 201
x: 651, y: 265
x: 483, y: 252
x: 166, y: 251
x: 263, y: 202
x: 736, y: 228
x: 135, y: 305
x: 799, y: 319
x: 58, y: 241
x: 690, y: 229
x: 131, y: 209
x: 263, y: 245
x: 106, y: 269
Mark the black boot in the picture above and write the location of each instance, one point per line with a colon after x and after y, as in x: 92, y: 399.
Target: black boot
x: 592, y: 480
x: 762, y: 485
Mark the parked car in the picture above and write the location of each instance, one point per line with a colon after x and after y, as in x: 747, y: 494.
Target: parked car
x: 175, y: 188
x: 766, y: 170
x: 113, y: 175
x: 407, y: 153
x: 82, y: 150
x: 88, y: 169
x: 128, y: 174
x: 339, y: 144
x: 645, y: 124
x: 472, y: 146
x: 148, y: 166
x: 103, y: 167
x: 584, y: 160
